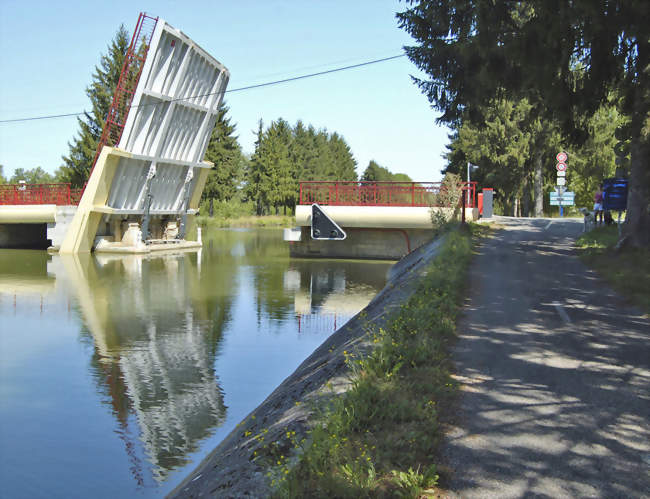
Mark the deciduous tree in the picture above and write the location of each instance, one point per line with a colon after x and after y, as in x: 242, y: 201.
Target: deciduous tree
x: 33, y: 176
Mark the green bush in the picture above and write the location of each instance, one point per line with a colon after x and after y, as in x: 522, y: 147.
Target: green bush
x: 227, y: 209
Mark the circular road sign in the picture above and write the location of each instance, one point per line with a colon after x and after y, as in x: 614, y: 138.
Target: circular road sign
x: 561, y: 157
x: 561, y: 167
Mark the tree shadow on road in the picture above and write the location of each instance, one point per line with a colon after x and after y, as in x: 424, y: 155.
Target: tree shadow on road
x: 554, y: 371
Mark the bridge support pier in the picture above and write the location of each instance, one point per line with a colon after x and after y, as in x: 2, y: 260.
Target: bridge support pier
x: 362, y: 243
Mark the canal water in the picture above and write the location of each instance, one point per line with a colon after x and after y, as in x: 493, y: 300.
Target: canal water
x: 119, y: 374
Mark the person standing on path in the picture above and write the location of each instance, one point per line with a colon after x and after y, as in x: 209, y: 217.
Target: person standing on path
x: 598, y: 205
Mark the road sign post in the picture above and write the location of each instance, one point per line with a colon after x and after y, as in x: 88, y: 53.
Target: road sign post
x: 561, y: 158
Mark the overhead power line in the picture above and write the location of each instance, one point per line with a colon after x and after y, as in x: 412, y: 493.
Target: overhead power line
x: 320, y: 73
x: 233, y: 90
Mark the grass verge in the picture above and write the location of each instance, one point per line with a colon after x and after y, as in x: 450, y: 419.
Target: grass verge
x: 627, y: 271
x: 246, y: 221
x: 379, y: 439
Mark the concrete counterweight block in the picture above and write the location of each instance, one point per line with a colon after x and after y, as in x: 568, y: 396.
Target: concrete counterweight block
x: 133, y: 236
x: 171, y: 231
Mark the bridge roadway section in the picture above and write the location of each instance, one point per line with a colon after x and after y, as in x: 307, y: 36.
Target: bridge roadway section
x: 554, y: 369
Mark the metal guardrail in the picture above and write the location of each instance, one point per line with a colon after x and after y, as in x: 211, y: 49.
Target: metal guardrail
x: 21, y: 194
x: 380, y: 193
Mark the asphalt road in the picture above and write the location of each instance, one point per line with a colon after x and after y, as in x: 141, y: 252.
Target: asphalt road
x: 555, y: 374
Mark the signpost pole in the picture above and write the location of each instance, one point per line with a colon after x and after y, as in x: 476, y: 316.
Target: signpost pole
x: 561, y: 158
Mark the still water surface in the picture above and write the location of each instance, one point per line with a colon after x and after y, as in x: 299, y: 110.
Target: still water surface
x: 119, y: 374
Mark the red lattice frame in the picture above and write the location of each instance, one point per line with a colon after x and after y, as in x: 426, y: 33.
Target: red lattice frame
x: 128, y: 82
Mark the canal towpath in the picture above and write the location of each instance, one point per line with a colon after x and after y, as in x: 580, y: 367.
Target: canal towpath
x: 554, y: 374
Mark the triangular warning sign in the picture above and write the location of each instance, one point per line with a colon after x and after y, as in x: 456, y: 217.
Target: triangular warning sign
x: 323, y: 227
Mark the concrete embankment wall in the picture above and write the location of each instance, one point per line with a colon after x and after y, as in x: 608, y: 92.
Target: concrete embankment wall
x: 361, y: 243
x: 237, y: 467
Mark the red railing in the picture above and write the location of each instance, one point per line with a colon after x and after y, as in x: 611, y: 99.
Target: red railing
x: 59, y: 194
x: 129, y: 77
x: 469, y: 188
x: 75, y: 195
x: 380, y: 193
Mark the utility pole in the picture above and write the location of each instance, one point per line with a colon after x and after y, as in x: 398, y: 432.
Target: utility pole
x: 470, y: 167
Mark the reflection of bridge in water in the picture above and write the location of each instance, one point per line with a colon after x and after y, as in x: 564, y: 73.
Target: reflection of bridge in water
x: 326, y: 298
x: 155, y: 327
x: 154, y: 353
x: 153, y: 346
x: 321, y: 322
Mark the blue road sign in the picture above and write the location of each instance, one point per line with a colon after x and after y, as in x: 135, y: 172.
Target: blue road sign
x: 567, y: 199
x: 615, y: 194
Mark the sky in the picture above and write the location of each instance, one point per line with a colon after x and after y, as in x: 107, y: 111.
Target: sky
x: 48, y: 51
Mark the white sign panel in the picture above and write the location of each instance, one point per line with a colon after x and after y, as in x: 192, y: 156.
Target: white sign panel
x: 567, y: 199
x: 561, y: 181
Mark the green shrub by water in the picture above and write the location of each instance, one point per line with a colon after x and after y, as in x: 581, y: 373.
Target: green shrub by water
x: 235, y: 213
x: 235, y: 208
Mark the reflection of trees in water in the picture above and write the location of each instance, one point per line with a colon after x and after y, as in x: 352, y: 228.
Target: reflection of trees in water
x: 266, y: 256
x: 156, y: 325
x: 32, y: 264
x: 323, y: 281
x: 276, y: 278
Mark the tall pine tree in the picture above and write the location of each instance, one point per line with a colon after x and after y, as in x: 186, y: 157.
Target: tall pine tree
x: 344, y: 162
x: 285, y: 155
x: 256, y: 176
x: 78, y: 163
x: 225, y: 152
x: 377, y: 173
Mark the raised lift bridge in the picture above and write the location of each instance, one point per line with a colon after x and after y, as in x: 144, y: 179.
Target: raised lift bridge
x: 148, y: 173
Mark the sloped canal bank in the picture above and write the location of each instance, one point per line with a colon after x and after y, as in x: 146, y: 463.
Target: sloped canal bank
x: 273, y: 446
